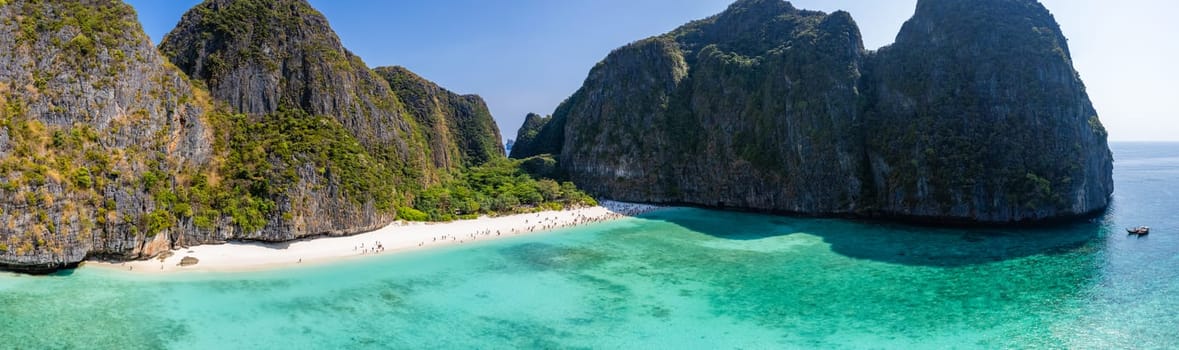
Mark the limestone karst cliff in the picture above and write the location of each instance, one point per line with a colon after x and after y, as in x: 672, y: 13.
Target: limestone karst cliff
x: 977, y: 113
x: 263, y: 55
x: 974, y: 115
x: 264, y: 58
x: 92, y: 113
x: 254, y: 123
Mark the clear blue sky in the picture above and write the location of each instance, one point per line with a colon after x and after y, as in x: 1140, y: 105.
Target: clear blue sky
x: 528, y: 55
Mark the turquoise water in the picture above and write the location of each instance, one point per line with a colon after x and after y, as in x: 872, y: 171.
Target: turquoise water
x: 680, y: 279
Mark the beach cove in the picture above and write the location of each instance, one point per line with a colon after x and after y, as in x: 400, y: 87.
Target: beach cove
x: 671, y: 278
x: 396, y: 237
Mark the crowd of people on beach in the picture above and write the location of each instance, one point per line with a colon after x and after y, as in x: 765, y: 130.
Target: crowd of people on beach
x: 375, y: 248
x: 540, y: 222
x: 514, y: 225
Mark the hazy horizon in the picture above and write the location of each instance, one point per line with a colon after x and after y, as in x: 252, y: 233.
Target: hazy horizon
x: 528, y: 56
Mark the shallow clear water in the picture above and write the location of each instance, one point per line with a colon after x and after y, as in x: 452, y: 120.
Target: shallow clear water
x: 680, y: 278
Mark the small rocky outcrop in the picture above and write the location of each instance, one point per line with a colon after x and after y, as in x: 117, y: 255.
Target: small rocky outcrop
x: 188, y: 261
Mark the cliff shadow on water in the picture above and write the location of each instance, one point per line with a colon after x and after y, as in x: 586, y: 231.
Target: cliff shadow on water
x: 897, y: 243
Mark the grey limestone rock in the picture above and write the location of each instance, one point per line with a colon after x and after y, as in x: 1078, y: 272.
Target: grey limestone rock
x: 974, y: 115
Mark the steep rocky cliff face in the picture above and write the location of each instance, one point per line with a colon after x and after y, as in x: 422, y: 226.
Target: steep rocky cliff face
x: 459, y: 128
x: 91, y: 113
x: 976, y: 112
x: 262, y: 55
x: 974, y: 115
x: 278, y: 61
x: 108, y: 150
x: 280, y: 65
x: 750, y: 108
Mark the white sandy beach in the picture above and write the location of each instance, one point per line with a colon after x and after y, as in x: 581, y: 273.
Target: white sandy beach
x: 399, y: 236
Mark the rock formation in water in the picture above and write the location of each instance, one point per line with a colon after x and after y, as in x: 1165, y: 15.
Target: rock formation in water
x: 974, y: 115
x: 108, y: 150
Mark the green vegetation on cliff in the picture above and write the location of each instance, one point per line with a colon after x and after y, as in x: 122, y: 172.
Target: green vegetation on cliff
x: 532, y: 139
x: 445, y: 115
x: 263, y: 161
x: 89, y: 115
x: 43, y: 162
x: 265, y: 154
x: 500, y: 186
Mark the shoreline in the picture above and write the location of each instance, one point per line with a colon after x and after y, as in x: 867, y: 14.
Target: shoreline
x: 396, y: 237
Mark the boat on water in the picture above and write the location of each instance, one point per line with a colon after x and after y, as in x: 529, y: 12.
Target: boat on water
x: 1139, y: 231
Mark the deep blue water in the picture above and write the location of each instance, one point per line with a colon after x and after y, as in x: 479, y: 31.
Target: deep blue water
x: 678, y: 279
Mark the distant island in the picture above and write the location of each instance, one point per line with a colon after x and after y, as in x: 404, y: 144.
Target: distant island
x: 974, y: 115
